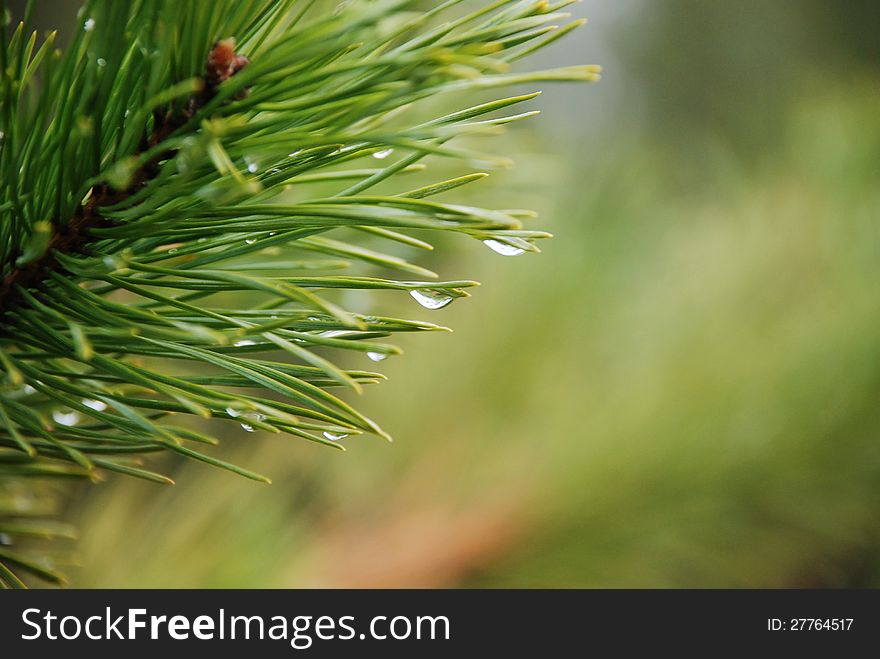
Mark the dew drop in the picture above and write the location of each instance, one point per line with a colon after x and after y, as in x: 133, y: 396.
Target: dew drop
x: 65, y: 418
x: 377, y: 356
x: 250, y: 241
x: 28, y: 390
x: 332, y: 334
x: 384, y: 153
x: 89, y: 25
x: 173, y: 250
x: 97, y: 405
x: 334, y: 437
x: 101, y: 61
x: 503, y: 248
x: 5, y: 539
x: 430, y: 298
x: 256, y: 416
x: 231, y: 411
x: 245, y: 342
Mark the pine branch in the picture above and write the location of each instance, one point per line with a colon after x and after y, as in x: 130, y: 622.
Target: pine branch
x: 175, y: 210
x: 72, y: 236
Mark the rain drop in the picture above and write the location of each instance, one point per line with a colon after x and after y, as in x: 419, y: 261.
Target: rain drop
x: 250, y: 241
x: 377, y: 356
x: 503, y: 248
x: 231, y: 411
x: 384, y: 153
x: 245, y: 342
x: 331, y: 334
x: 256, y: 416
x: 334, y: 437
x: 173, y: 250
x: 97, y: 405
x: 5, y: 539
x: 101, y: 61
x: 65, y: 418
x: 89, y: 25
x: 431, y: 299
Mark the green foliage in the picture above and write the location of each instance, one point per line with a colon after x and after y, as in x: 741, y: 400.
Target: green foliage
x: 166, y: 209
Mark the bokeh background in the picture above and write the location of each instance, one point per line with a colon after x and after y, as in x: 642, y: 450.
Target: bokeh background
x: 683, y: 390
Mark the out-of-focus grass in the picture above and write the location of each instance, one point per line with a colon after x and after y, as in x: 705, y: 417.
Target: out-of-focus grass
x: 682, y: 391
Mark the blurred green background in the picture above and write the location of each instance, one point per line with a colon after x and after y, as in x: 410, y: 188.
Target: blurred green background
x: 683, y: 390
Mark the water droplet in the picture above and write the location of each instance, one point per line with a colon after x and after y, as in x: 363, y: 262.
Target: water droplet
x: 5, y: 539
x: 384, y: 153
x: 250, y: 241
x: 503, y: 248
x: 377, y: 356
x: 294, y: 153
x: 256, y: 416
x: 334, y: 437
x: 332, y: 334
x: 28, y: 390
x: 231, y: 411
x: 173, y: 250
x: 430, y: 298
x: 101, y: 61
x: 245, y: 342
x: 65, y: 418
x: 253, y: 167
x: 97, y: 405
x: 89, y: 25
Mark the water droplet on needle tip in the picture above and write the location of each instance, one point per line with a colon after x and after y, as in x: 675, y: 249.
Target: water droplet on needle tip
x: 503, y: 248
x: 431, y: 299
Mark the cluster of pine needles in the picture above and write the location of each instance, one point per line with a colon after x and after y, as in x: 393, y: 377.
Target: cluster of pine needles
x: 186, y: 189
